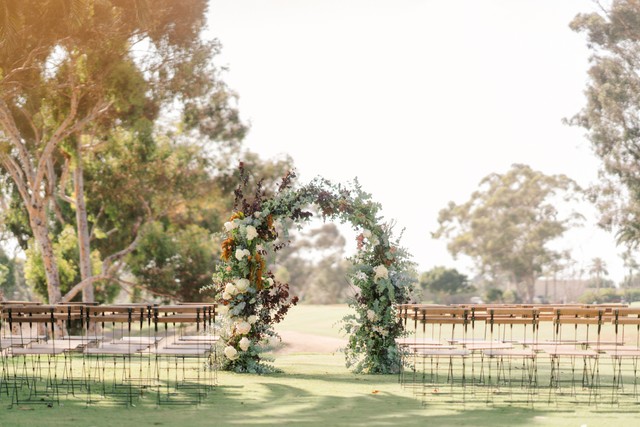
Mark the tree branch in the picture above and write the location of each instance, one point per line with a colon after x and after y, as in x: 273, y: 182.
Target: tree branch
x: 109, y: 267
x: 16, y: 174
x: 56, y: 138
x: 11, y: 130
x: 64, y: 178
x: 95, y: 222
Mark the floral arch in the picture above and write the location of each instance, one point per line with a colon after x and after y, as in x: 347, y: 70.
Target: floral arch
x: 253, y: 301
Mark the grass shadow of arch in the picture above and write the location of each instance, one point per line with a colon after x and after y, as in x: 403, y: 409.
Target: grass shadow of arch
x: 290, y: 405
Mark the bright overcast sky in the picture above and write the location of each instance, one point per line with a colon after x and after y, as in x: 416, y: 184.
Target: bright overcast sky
x: 417, y: 99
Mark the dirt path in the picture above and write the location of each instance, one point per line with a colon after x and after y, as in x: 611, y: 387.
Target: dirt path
x: 298, y: 342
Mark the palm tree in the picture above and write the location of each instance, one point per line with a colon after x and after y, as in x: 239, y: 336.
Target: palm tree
x: 628, y: 258
x: 598, y: 268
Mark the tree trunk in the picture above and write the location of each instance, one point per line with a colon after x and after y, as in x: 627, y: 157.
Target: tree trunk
x: 530, y: 286
x: 38, y: 220
x: 84, y: 248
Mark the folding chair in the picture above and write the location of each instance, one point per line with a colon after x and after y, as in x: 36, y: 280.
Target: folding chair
x: 443, y: 321
x: 183, y: 369
x: 414, y: 340
x: 625, y: 353
x: 503, y: 322
x: 574, y: 350
x: 116, y: 345
x: 33, y: 367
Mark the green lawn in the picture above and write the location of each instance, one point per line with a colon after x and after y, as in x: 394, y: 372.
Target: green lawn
x: 315, y: 390
x: 321, y: 320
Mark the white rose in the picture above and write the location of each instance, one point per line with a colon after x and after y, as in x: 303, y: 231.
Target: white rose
x: 230, y: 289
x: 252, y: 319
x: 231, y: 353
x: 244, y: 344
x: 381, y: 272
x: 366, y: 234
x: 257, y: 214
x: 371, y: 315
x: 228, y: 226
x: 243, y: 327
x: 252, y: 233
x: 222, y: 309
x: 227, y: 296
x: 241, y: 253
x: 242, y: 285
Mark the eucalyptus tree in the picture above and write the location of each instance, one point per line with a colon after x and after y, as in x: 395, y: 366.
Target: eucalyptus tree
x: 74, y: 73
x: 507, y: 224
x: 611, y: 114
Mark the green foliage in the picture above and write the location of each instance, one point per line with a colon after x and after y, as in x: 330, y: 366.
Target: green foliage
x: 511, y: 297
x: 506, y: 225
x: 446, y: 280
x: 66, y: 252
x: 608, y: 295
x: 7, y: 275
x: 174, y: 263
x: 611, y: 112
x: 89, y: 81
x: 445, y: 286
x: 494, y: 295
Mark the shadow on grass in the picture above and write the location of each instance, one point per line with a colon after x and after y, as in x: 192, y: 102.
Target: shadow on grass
x: 327, y: 396
x: 284, y: 404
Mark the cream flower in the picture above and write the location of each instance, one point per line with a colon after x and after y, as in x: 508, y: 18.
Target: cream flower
x: 226, y: 296
x: 241, y: 253
x: 230, y: 289
x: 242, y: 285
x: 230, y: 225
x: 381, y: 272
x: 244, y: 344
x: 231, y: 353
x: 366, y: 234
x: 222, y: 309
x: 371, y: 315
x: 243, y: 327
x: 252, y: 319
x: 252, y: 233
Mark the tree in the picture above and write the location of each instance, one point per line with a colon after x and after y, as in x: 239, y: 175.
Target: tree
x: 445, y: 281
x: 75, y: 72
x: 507, y: 224
x: 632, y: 266
x: 557, y: 265
x: 7, y: 275
x: 599, y: 269
x: 314, y: 265
x: 611, y: 114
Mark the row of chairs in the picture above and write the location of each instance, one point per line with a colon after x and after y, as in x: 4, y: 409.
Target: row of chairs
x: 98, y: 352
x: 585, y: 354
